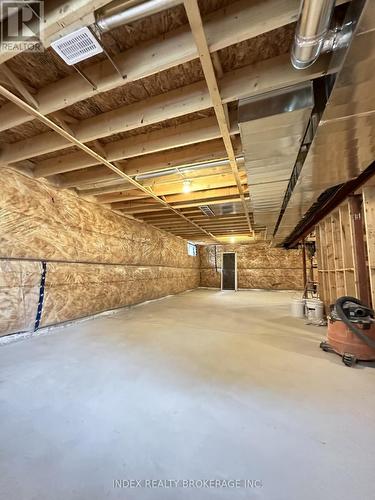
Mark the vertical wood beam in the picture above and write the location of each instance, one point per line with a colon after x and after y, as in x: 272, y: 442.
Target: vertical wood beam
x: 304, y: 269
x: 347, y: 249
x: 322, y: 281
x: 366, y: 273
x: 330, y: 257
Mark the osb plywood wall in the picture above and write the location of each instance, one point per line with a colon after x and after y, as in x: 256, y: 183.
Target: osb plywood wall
x: 258, y: 266
x: 105, y: 260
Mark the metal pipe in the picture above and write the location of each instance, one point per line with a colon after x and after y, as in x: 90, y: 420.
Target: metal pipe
x: 186, y: 169
x: 120, y: 13
x: 312, y: 29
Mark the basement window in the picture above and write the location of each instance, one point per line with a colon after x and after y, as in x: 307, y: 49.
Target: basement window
x: 192, y: 249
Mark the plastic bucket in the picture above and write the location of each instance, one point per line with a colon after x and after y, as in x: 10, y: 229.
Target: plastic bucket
x: 298, y: 308
x: 314, y: 309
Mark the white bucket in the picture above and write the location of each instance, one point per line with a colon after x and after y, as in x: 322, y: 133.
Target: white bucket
x: 298, y: 308
x: 314, y: 309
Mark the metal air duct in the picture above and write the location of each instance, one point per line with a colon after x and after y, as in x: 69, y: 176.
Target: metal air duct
x: 312, y: 30
x: 120, y: 13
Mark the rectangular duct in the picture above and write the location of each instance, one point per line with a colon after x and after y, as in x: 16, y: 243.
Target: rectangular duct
x: 272, y: 127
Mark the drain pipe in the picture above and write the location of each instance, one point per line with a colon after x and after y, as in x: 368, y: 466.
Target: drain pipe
x: 311, y: 32
x: 124, y: 12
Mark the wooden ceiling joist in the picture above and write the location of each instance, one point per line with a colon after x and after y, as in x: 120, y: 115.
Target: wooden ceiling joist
x: 19, y: 86
x: 204, y: 129
x: 197, y: 197
x: 196, y: 25
x: 164, y: 160
x: 235, y: 23
x: 202, y: 195
x: 248, y: 81
x: 209, y: 182
x: 142, y: 209
x: 73, y: 140
x: 60, y: 17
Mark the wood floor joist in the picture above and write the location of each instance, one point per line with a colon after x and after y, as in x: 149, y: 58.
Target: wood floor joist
x: 164, y: 160
x: 61, y: 17
x: 251, y: 80
x: 142, y: 209
x: 73, y: 140
x: 196, y: 25
x: 235, y: 23
x: 209, y: 182
x: 203, y: 129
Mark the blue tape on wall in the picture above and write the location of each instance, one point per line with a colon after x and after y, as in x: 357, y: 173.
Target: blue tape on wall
x: 41, y: 295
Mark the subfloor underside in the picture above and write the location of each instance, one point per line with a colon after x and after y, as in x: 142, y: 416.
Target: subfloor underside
x: 203, y: 385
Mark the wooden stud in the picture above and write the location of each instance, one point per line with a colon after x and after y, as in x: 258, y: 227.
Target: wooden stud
x: 369, y: 212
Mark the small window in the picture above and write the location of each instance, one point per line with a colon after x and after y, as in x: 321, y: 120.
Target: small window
x: 192, y: 249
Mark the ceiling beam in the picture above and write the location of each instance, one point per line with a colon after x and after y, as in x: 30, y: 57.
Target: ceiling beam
x: 208, y: 182
x: 61, y: 17
x: 248, y: 81
x: 144, y: 209
x: 237, y: 22
x: 163, y: 160
x: 203, y: 129
x: 19, y: 86
x: 195, y: 21
x: 202, y: 195
x: 137, y: 166
x: 73, y: 140
x: 198, y: 196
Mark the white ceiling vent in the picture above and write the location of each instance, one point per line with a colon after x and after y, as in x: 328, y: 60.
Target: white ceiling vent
x: 77, y: 46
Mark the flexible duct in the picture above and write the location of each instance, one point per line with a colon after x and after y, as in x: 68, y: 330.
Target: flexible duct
x: 120, y: 13
x: 312, y: 29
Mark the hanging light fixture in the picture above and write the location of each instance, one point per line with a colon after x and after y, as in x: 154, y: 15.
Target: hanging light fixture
x: 186, y: 186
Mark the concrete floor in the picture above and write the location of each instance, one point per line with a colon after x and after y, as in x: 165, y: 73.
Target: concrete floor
x: 204, y: 385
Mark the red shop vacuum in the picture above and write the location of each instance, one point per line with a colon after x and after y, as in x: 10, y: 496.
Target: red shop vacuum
x: 351, y: 331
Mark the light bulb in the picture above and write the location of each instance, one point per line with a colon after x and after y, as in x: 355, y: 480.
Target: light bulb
x: 186, y: 186
x: 233, y: 239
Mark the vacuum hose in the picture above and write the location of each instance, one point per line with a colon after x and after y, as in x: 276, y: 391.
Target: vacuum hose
x: 339, y: 306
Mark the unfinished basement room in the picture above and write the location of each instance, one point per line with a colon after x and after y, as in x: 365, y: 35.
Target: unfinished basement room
x: 187, y: 249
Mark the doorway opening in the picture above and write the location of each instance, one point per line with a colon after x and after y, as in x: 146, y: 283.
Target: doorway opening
x: 229, y: 271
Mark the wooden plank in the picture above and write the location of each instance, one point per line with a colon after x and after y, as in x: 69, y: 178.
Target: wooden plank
x: 237, y: 22
x: 73, y: 140
x: 369, y: 212
x: 203, y: 129
x: 337, y: 253
x: 202, y: 195
x: 195, y: 21
x: 164, y: 160
x: 19, y: 86
x: 62, y: 17
x: 320, y: 262
x: 163, y: 189
x: 329, y: 260
x: 142, y: 209
x: 249, y: 81
x: 361, y: 271
x: 347, y: 251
